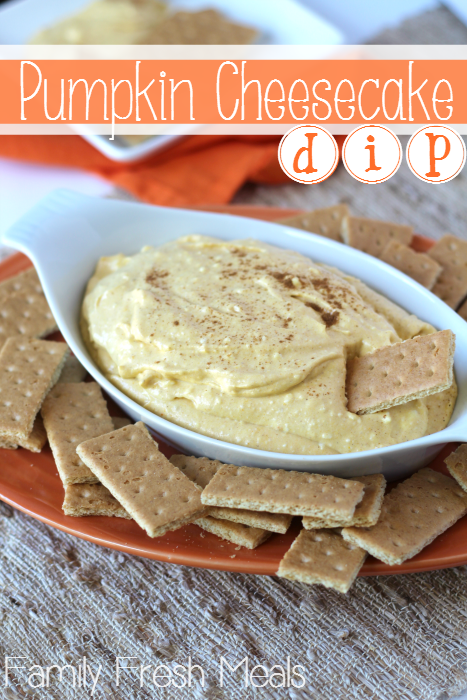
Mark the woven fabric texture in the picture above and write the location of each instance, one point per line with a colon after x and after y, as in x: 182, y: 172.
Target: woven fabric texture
x: 391, y: 638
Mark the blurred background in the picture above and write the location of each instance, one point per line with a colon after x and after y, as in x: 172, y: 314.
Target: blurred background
x: 360, y: 20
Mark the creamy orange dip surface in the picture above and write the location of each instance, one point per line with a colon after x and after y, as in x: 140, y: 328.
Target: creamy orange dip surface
x: 248, y: 343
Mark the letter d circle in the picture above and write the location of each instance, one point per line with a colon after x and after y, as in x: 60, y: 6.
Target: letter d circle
x: 308, y: 154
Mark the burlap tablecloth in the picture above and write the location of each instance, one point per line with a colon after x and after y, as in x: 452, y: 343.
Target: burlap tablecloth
x: 390, y: 638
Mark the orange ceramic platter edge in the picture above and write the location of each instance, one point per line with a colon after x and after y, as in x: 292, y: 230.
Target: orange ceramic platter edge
x: 30, y: 483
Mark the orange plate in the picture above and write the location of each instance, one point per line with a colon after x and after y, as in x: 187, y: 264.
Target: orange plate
x: 30, y: 482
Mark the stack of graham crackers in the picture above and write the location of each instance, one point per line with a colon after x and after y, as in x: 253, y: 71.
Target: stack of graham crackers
x: 111, y: 467
x: 29, y: 366
x: 343, y: 519
x: 443, y: 269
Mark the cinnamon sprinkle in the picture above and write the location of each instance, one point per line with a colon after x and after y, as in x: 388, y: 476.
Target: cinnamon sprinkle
x: 155, y: 275
x: 329, y: 317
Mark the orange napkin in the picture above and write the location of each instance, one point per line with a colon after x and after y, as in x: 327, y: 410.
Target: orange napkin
x: 196, y: 170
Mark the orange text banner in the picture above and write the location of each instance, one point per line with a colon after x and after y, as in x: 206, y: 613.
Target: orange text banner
x: 233, y: 92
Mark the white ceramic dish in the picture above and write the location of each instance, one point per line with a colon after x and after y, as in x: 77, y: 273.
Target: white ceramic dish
x: 278, y: 22
x: 66, y: 233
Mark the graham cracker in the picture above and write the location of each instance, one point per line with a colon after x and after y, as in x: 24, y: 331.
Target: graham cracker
x: 154, y: 492
x: 325, y: 222
x: 202, y: 27
x: 29, y: 368
x: 24, y: 309
x: 34, y: 442
x: 201, y: 470
x: 274, y: 522
x: 399, y: 373
x: 279, y: 491
x: 74, y: 413
x: 91, y: 499
x: 5, y: 445
x: 372, y: 236
x: 322, y: 557
x: 72, y: 372
x: 24, y: 283
x: 120, y: 422
x: 249, y: 537
x: 367, y: 511
x: 414, y: 513
x: 456, y: 463
x: 419, y: 266
x: 451, y: 253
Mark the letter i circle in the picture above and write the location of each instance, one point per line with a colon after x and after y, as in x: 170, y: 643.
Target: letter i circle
x: 436, y: 153
x: 308, y: 154
x: 372, y: 153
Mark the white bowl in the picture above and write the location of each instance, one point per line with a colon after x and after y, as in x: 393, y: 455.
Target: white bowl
x: 66, y: 233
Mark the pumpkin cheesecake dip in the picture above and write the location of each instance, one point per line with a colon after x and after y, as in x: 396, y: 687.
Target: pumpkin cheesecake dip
x: 248, y: 343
